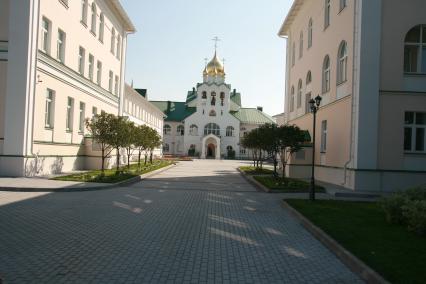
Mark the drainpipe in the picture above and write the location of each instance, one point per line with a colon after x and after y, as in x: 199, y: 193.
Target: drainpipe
x: 353, y: 93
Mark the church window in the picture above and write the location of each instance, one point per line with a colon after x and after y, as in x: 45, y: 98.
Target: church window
x: 292, y: 99
x: 212, y: 128
x: 167, y: 129
x: 222, y: 98
x: 230, y: 131
x: 180, y: 130
x: 213, y: 101
x: 193, y: 130
x: 204, y: 95
x: 212, y: 113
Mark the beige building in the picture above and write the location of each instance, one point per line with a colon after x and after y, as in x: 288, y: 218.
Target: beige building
x: 367, y: 60
x: 61, y: 62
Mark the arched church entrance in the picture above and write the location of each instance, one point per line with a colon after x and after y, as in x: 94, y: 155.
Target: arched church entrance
x: 211, y: 151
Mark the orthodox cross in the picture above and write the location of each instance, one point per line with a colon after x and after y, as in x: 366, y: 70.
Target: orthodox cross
x: 223, y: 60
x: 215, y: 39
x: 205, y: 61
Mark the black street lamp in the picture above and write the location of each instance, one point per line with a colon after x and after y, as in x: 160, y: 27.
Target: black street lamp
x: 314, y: 104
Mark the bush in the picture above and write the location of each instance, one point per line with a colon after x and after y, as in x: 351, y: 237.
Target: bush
x: 231, y: 154
x: 393, y: 208
x: 191, y: 152
x: 415, y: 215
x: 407, y: 208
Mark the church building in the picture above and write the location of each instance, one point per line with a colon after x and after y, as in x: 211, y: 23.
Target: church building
x: 211, y: 122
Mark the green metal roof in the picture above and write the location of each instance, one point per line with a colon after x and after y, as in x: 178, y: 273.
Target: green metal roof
x: 175, y: 111
x: 192, y: 95
x: 236, y: 98
x: 252, y: 116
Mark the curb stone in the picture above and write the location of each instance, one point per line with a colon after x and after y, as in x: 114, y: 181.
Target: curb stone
x: 255, y: 183
x: 90, y: 188
x: 351, y: 261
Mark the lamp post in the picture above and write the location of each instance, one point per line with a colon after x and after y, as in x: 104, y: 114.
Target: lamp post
x: 314, y: 104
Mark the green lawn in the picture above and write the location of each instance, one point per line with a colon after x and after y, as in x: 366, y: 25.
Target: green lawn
x: 392, y: 251
x: 250, y: 170
x: 111, y: 176
x: 287, y: 184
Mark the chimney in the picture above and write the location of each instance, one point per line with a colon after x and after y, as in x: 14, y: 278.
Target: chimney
x: 169, y: 103
x: 259, y: 108
x: 235, y: 91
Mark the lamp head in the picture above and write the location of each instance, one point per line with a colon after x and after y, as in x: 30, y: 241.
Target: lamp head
x: 318, y: 100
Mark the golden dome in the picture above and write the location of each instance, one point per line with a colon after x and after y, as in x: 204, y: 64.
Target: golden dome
x: 214, y: 68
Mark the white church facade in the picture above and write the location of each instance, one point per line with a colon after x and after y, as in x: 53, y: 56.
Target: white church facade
x: 210, y: 123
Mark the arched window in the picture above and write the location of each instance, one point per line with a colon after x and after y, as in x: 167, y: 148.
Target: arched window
x: 213, y: 101
x: 327, y: 10
x: 193, y: 130
x: 167, y: 129
x: 301, y: 45
x: 93, y: 22
x: 415, y: 50
x: 112, y: 40
x: 212, y: 113
x: 101, y: 27
x: 84, y: 5
x: 222, y: 98
x: 212, y: 128
x: 299, y: 94
x: 204, y: 95
x: 342, y: 63
x: 230, y: 131
x: 180, y: 130
x: 292, y: 99
x: 118, y: 46
x: 310, y: 32
x: 293, y: 54
x: 326, y: 75
x: 166, y: 147
x: 308, y: 78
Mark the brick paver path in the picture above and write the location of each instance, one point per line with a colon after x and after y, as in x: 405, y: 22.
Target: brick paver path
x: 199, y: 222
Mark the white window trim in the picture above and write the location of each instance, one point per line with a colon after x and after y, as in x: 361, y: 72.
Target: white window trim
x: 413, y: 126
x: 49, y: 109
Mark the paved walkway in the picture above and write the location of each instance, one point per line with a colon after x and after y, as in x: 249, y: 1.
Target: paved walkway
x: 199, y: 222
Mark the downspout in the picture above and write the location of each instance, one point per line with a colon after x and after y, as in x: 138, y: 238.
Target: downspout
x: 355, y: 52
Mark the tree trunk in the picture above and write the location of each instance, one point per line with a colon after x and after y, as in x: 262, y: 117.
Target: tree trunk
x: 128, y: 159
x: 118, y: 160
x: 146, y: 158
x: 103, y: 162
x: 139, y: 160
x: 150, y: 158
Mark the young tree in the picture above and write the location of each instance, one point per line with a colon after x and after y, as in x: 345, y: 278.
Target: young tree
x: 141, y: 141
x: 129, y: 139
x: 271, y: 142
x: 291, y: 140
x: 100, y: 128
x: 118, y: 127
x: 154, y: 142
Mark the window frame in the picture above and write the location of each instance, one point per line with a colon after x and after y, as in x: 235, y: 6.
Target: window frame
x: 193, y: 130
x: 327, y: 14
x: 110, y: 81
x: 301, y: 45
x: 230, y: 131
x: 212, y: 128
x: 69, y: 115
x: 81, y: 117
x: 99, y: 72
x: 93, y: 18
x: 292, y: 101
x: 167, y: 129
x: 414, y: 126
x: 101, y: 27
x: 421, y: 51
x: 46, y: 35
x: 61, y: 46
x: 310, y: 32
x: 84, y: 10
x: 326, y: 75
x: 91, y: 67
x: 49, y: 109
x: 324, y: 132
x: 81, y: 60
x: 299, y: 94
x: 180, y: 130
x: 342, y: 63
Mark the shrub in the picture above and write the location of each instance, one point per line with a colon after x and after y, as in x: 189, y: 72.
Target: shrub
x: 415, y: 215
x: 231, y: 154
x: 393, y: 208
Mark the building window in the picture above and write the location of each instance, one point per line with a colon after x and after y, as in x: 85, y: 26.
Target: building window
x: 230, y: 131
x: 326, y: 75
x: 324, y: 136
x: 69, y: 118
x: 310, y: 32
x: 94, y: 16
x: 415, y: 132
x: 81, y: 59
x: 167, y: 129
x: 193, y: 130
x: 222, y: 98
x: 242, y: 151
x: 213, y: 100
x: 110, y: 82
x: 212, y: 113
x: 116, y: 85
x: 112, y: 40
x: 94, y: 111
x: 48, y: 117
x: 204, y: 95
x: 118, y: 47
x: 292, y: 99
x: 307, y: 104
x: 101, y: 27
x: 343, y: 4
x: 166, y: 147
x: 60, y: 46
x: 84, y: 5
x: 327, y: 11
x: 308, y: 78
x: 299, y: 94
x: 82, y: 116
x: 301, y: 45
x: 91, y: 66
x: 415, y: 50
x: 293, y: 54
x: 342, y: 65
x: 180, y: 130
x: 45, y: 35
x: 99, y: 73
x: 212, y: 128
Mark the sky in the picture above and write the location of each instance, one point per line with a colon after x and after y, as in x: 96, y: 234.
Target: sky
x: 166, y: 54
